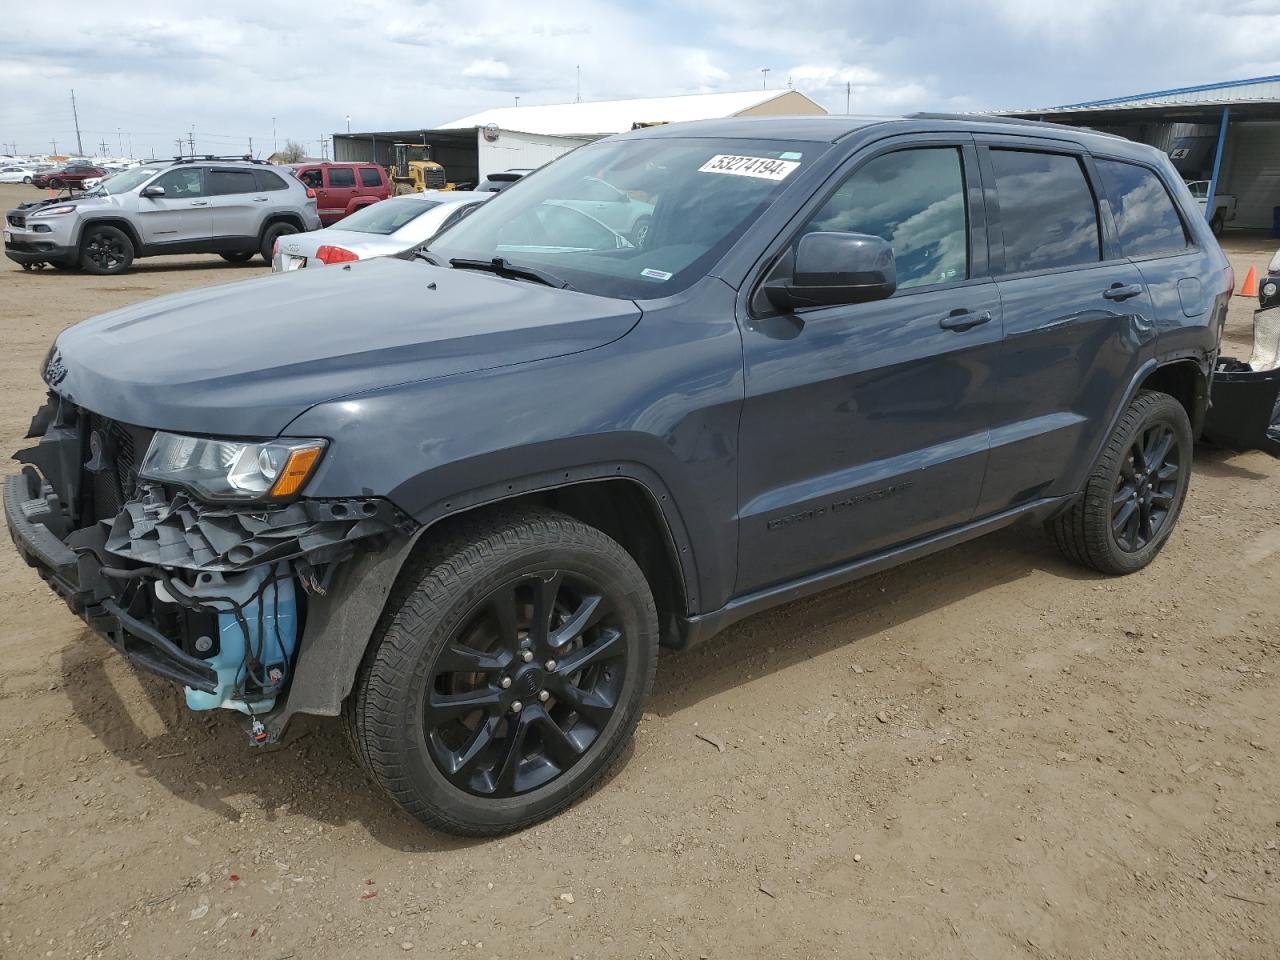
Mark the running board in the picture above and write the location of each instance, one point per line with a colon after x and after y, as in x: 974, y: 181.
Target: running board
x: 700, y: 628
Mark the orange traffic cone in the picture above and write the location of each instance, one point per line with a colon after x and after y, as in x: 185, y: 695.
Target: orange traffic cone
x: 1250, y: 286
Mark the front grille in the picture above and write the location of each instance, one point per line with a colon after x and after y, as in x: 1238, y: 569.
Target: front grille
x: 16, y: 219
x: 123, y: 446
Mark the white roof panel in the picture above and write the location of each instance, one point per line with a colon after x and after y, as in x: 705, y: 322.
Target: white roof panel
x: 614, y: 116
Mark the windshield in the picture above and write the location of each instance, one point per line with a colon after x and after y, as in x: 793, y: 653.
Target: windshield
x: 126, y: 180
x: 387, y: 216
x: 1199, y: 189
x: 630, y: 218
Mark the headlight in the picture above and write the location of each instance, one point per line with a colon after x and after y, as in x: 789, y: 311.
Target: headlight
x: 1268, y: 289
x: 53, y: 211
x: 232, y: 469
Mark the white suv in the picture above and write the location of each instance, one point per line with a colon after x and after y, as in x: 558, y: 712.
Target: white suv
x: 233, y: 207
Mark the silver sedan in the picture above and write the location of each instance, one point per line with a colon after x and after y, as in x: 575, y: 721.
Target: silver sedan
x: 393, y: 226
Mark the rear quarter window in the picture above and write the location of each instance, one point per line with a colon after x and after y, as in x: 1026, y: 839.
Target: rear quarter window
x: 369, y: 177
x: 1047, y: 211
x: 1145, y: 215
x: 267, y: 180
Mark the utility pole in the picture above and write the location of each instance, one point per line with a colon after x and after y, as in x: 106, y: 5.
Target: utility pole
x: 103, y: 145
x: 348, y: 123
x: 251, y: 146
x: 517, y: 100
x: 181, y: 151
x: 76, y: 116
x: 578, y: 97
x: 848, y: 92
x: 191, y: 140
x: 764, y: 78
x: 120, y: 141
x: 130, y: 146
x: 55, y: 147
x: 274, y: 148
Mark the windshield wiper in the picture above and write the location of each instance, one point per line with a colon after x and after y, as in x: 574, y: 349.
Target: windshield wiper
x: 422, y: 253
x: 505, y: 268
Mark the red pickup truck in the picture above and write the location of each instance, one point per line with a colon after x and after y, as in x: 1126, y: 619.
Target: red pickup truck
x: 343, y: 188
x: 72, y: 175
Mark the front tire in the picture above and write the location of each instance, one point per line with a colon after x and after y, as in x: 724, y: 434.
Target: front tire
x: 509, y: 676
x: 1135, y: 493
x: 106, y: 250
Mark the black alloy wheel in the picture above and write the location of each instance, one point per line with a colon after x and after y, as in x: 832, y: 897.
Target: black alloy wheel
x: 106, y: 250
x: 527, y: 684
x: 509, y: 673
x: 1146, y: 487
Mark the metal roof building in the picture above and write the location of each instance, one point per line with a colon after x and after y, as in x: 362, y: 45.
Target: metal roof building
x: 1225, y: 133
x: 503, y: 138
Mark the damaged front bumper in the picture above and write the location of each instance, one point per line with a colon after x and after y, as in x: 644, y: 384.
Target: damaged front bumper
x: 1244, y: 412
x: 242, y: 605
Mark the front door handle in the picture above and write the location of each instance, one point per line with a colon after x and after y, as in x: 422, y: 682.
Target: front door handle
x: 962, y: 320
x: 1122, y: 291
x: 199, y: 203
x: 261, y: 199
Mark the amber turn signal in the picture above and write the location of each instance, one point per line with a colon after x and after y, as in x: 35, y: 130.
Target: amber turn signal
x: 295, y: 472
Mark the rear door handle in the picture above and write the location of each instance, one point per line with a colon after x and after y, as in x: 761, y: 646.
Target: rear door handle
x: 199, y: 203
x: 261, y: 199
x: 1122, y: 291
x: 962, y: 320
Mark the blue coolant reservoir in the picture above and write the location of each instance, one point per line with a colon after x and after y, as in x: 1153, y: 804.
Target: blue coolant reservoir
x: 270, y: 622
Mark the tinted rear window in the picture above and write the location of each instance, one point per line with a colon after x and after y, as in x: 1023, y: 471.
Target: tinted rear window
x: 1148, y: 222
x: 221, y: 182
x: 269, y: 181
x: 1047, y: 211
x: 370, y: 177
x: 342, y: 177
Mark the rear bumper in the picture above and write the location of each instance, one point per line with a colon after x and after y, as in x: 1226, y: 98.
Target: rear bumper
x: 77, y: 577
x: 1244, y: 412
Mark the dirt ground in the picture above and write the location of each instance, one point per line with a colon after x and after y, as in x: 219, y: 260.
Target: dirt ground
x: 985, y: 754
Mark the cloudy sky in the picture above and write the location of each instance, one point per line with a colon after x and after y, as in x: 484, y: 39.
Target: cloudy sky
x: 145, y: 72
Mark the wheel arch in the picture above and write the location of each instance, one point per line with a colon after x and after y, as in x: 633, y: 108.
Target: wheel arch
x: 629, y: 505
x: 1184, y: 380
x: 119, y: 223
x: 283, y: 216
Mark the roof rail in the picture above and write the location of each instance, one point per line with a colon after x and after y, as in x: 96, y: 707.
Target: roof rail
x: 1017, y: 121
x: 242, y: 158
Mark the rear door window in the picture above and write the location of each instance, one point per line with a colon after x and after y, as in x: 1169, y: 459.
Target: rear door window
x: 1047, y: 211
x: 370, y: 177
x: 915, y: 199
x: 223, y: 182
x: 1146, y: 218
x: 341, y: 177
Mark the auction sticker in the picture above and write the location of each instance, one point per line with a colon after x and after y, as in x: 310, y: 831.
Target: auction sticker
x: 762, y: 168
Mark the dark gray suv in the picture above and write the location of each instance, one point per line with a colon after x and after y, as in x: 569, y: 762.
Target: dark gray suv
x: 462, y: 499
x: 236, y: 208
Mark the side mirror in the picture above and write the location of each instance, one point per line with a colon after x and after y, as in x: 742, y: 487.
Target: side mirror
x: 833, y: 268
x: 153, y: 191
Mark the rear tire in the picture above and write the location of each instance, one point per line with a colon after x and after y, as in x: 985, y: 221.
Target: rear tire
x: 55, y: 184
x: 1132, y: 498
x: 1218, y: 223
x: 240, y: 256
x: 271, y: 235
x: 105, y: 250
x: 576, y: 649
x: 26, y: 179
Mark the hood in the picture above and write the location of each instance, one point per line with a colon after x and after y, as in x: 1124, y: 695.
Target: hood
x: 246, y: 358
x: 81, y: 203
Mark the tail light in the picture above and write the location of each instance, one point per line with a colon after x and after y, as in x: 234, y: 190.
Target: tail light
x: 329, y: 254
x: 311, y: 194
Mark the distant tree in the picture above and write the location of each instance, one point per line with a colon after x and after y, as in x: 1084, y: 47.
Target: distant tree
x: 292, y: 152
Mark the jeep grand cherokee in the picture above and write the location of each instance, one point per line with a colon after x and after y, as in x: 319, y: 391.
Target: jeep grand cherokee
x: 462, y: 500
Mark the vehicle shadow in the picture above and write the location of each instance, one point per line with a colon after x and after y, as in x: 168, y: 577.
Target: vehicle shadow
x: 1222, y: 463
x: 206, y: 759
x: 886, y: 602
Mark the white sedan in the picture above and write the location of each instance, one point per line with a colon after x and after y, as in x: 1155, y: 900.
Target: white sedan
x: 389, y: 227
x: 16, y: 174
